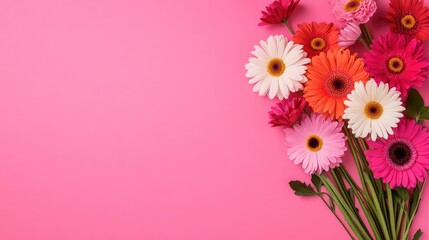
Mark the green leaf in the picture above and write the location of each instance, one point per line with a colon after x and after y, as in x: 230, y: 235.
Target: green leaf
x: 414, y: 103
x: 402, y: 193
x: 331, y: 204
x: 315, y: 179
x: 351, y: 195
x: 417, y: 235
x: 414, y: 200
x: 301, y: 189
x: 424, y: 113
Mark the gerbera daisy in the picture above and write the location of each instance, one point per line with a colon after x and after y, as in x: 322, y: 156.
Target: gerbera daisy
x: 403, y: 159
x: 359, y: 11
x: 317, y: 143
x: 373, y: 109
x: 317, y: 37
x: 395, y: 60
x: 278, y: 11
x: 409, y: 17
x: 331, y: 76
x: 279, y: 67
x: 287, y: 112
x: 349, y: 34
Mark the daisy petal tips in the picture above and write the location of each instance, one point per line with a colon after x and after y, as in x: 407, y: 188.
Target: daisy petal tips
x: 373, y: 110
x: 278, y: 68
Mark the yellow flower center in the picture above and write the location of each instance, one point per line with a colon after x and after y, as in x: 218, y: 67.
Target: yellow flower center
x: 395, y: 65
x: 314, y: 143
x: 317, y: 44
x: 408, y: 21
x: 373, y: 110
x: 352, y: 5
x: 276, y: 67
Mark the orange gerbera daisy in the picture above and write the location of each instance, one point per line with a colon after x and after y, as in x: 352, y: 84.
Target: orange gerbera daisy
x: 331, y: 76
x: 317, y: 37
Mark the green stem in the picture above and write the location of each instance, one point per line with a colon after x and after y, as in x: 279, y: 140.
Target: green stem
x: 413, y: 213
x: 379, y: 213
x: 392, y: 215
x: 365, y: 44
x: 286, y: 23
x: 336, y: 215
x: 399, y: 219
x: 345, y: 209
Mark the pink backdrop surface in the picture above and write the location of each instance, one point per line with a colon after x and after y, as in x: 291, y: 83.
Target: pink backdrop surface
x: 128, y: 119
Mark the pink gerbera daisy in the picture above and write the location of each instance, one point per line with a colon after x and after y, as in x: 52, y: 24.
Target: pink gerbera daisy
x: 398, y: 61
x: 359, y: 11
x: 287, y: 112
x: 317, y: 143
x: 349, y: 35
x: 278, y: 11
x: 402, y: 159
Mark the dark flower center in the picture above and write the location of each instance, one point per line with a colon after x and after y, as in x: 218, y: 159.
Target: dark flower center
x: 317, y: 44
x: 373, y: 110
x: 408, y: 21
x: 276, y: 67
x: 395, y: 65
x: 314, y: 143
x: 352, y: 5
x: 338, y: 84
x: 400, y: 153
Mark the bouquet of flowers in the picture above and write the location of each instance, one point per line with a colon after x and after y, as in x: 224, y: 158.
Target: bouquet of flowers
x: 332, y: 100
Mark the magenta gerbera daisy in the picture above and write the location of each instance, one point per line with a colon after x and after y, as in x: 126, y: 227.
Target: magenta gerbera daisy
x: 398, y: 61
x: 403, y: 159
x: 287, y: 112
x: 317, y: 143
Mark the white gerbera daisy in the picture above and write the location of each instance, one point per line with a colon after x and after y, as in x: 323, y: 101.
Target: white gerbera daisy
x: 279, y: 67
x: 373, y: 109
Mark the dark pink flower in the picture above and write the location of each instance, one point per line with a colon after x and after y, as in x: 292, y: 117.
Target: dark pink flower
x: 398, y: 61
x: 278, y: 11
x: 287, y: 112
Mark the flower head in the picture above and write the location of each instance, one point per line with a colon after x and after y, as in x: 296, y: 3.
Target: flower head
x: 278, y: 11
x: 317, y: 37
x: 403, y: 159
x: 409, y: 17
x: 359, y: 11
x: 331, y: 76
x: 317, y: 143
x: 287, y: 112
x: 349, y: 34
x: 398, y: 61
x: 373, y: 109
x: 279, y: 67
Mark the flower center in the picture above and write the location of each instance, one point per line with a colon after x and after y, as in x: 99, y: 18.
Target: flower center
x: 352, y: 5
x: 373, y: 110
x: 314, y: 143
x: 276, y: 67
x: 395, y: 65
x: 318, y: 44
x: 338, y: 84
x: 400, y: 153
x: 408, y: 21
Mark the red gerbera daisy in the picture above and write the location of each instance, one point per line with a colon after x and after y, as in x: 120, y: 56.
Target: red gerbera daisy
x: 409, y: 17
x: 278, y: 11
x: 317, y: 37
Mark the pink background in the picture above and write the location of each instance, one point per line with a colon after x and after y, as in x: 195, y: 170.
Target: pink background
x: 128, y: 119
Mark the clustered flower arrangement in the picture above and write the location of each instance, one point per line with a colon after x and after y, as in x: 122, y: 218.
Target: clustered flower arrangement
x: 332, y: 100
